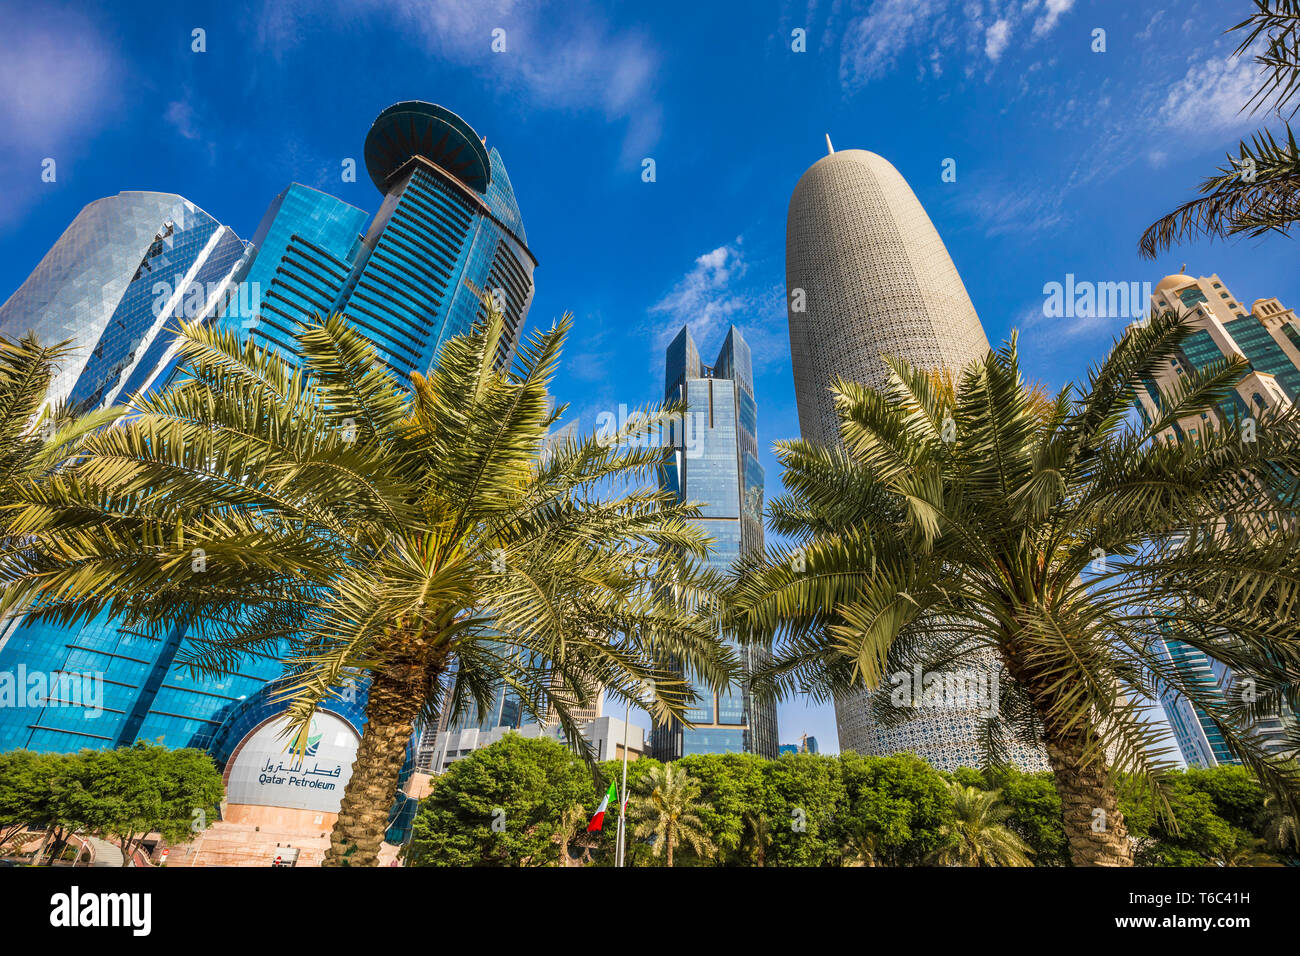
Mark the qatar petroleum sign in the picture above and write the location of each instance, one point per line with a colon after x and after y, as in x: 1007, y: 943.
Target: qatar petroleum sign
x: 264, y: 771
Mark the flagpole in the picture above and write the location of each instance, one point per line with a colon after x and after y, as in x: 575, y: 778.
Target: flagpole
x: 622, y: 793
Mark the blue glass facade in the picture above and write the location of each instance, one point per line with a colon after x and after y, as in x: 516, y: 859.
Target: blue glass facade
x: 117, y: 280
x: 126, y: 270
x: 716, y: 465
x: 302, y: 252
x: 448, y: 230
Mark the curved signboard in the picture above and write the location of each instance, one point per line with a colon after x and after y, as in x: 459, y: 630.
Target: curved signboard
x: 264, y: 772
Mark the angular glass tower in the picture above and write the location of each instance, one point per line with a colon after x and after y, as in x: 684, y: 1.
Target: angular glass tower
x: 447, y: 231
x: 716, y: 465
x: 121, y: 275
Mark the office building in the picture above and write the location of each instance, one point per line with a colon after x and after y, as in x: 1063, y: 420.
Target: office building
x: 867, y: 275
x: 606, y: 736
x: 1267, y: 337
x: 716, y: 464
x: 123, y: 274
x: 448, y: 230
x: 807, y: 745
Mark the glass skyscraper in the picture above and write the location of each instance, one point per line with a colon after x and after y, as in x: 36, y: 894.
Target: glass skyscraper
x: 116, y: 282
x: 448, y: 231
x: 1267, y: 336
x: 716, y: 464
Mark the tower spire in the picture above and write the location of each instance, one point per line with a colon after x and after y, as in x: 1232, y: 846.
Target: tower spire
x: 829, y: 148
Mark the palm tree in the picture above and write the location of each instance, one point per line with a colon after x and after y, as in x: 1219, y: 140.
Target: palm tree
x: 1258, y: 190
x: 1281, y: 830
x: 36, y: 439
x: 364, y: 533
x: 662, y: 811
x: 1243, y: 850
x: 976, y: 834
x: 978, y: 524
x: 861, y: 846
x: 757, y: 835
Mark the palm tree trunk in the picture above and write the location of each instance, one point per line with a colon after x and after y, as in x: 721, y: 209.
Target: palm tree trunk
x: 1090, y: 806
x: 396, y: 695
x: 668, y: 845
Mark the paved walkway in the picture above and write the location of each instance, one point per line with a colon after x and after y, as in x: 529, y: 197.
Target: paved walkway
x: 106, y: 854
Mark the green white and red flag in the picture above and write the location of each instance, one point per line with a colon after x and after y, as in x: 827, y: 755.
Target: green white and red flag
x: 599, y: 819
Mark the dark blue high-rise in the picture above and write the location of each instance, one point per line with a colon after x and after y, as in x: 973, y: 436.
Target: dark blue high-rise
x: 716, y: 465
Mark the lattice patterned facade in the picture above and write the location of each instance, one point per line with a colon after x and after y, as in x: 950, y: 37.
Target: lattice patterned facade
x: 867, y: 275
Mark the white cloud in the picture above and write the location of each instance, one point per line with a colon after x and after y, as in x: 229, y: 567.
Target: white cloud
x: 1150, y: 29
x: 1210, y: 97
x: 1052, y: 13
x: 1014, y: 208
x: 883, y: 31
x: 872, y: 43
x: 996, y: 39
x: 180, y: 114
x: 704, y: 298
x: 53, y: 79
x: 723, y: 288
x: 55, y: 97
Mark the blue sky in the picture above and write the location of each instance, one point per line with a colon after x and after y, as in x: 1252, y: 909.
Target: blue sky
x: 1063, y: 155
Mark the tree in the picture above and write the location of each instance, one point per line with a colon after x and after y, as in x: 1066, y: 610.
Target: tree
x: 861, y: 845
x: 977, y: 836
x: 1280, y: 826
x: 806, y: 803
x: 122, y: 794
x: 1258, y: 190
x: 1237, y: 796
x: 901, y: 803
x: 731, y: 803
x: 36, y: 439
x: 504, y: 805
x: 977, y: 527
x: 1035, y: 813
x: 572, y: 820
x: 323, y: 514
x: 664, y: 810
x: 1182, y: 829
x: 1242, y: 849
x: 604, y: 842
x: 30, y: 786
x: 24, y: 788
x: 128, y: 793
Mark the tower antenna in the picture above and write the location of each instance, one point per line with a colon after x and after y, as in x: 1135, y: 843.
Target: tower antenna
x: 829, y: 148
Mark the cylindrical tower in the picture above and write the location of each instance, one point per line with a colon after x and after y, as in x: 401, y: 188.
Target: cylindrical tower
x: 872, y: 277
x: 867, y: 275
